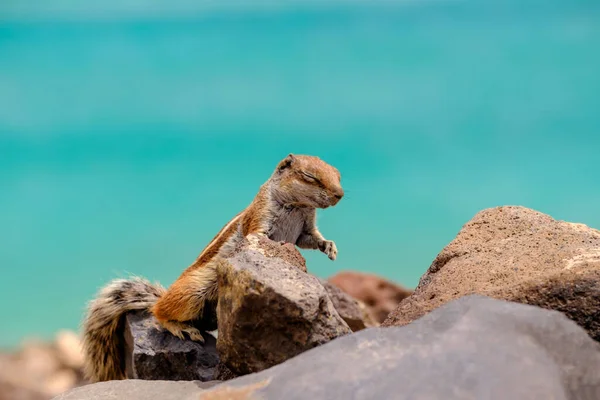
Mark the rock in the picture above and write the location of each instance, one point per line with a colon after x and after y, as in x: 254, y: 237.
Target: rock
x: 155, y: 354
x: 134, y: 389
x: 269, y: 309
x: 246, y: 392
x: 515, y: 254
x: 60, y: 381
x: 351, y: 310
x: 39, y: 370
x: 380, y: 296
x: 39, y: 359
x: 10, y: 392
x: 355, y: 314
x: 14, y: 384
x: 222, y: 373
x: 69, y: 349
x: 286, y: 252
x: 471, y: 348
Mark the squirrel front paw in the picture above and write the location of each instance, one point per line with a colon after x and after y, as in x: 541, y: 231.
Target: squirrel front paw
x: 328, y: 247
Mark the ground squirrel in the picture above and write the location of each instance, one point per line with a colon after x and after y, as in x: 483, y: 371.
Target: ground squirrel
x: 283, y: 210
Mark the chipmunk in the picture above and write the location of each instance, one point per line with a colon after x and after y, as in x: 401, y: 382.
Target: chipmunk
x: 284, y: 210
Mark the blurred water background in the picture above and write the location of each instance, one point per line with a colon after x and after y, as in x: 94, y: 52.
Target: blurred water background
x: 131, y: 131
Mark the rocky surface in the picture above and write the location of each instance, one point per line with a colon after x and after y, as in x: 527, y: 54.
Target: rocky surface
x: 39, y: 370
x: 222, y: 373
x: 285, y: 252
x: 269, y: 309
x: 355, y: 313
x: 515, y: 254
x: 379, y: 295
x: 138, y: 389
x: 471, y: 348
x: 155, y: 354
x: 474, y: 347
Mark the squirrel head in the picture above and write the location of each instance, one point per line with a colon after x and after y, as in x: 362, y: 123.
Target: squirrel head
x: 307, y: 181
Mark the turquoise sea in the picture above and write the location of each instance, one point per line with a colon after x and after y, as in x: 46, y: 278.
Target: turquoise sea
x: 130, y: 132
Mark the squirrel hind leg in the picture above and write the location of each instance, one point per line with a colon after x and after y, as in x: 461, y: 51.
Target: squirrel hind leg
x: 179, y: 328
x: 185, y: 300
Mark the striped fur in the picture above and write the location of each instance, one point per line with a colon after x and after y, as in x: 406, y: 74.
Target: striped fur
x: 103, y: 342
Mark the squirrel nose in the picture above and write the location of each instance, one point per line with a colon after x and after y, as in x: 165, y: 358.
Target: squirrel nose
x: 339, y: 194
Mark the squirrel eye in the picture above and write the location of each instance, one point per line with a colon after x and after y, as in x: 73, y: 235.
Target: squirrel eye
x: 309, y: 177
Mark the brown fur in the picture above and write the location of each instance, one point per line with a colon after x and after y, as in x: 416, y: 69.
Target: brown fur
x: 283, y: 210
x: 102, y: 345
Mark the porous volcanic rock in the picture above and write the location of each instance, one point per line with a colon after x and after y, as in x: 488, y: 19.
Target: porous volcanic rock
x: 269, y: 309
x: 379, y: 295
x: 516, y: 254
x: 155, y: 354
x: 355, y: 313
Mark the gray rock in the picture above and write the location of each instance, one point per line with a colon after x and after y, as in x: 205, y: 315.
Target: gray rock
x: 155, y: 354
x: 471, y: 348
x: 133, y: 389
x: 269, y: 309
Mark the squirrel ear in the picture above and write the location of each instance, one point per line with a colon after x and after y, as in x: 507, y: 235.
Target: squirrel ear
x: 286, y: 162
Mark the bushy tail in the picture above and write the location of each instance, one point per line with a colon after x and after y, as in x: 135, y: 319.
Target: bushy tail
x: 103, y: 341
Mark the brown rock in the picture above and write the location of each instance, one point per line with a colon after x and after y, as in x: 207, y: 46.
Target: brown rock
x: 60, y: 381
x: 246, y: 392
x: 379, y: 295
x: 138, y: 389
x: 8, y: 391
x: 40, y: 370
x: 68, y: 346
x: 515, y: 254
x: 286, y: 252
x: 39, y: 359
x: 222, y: 373
x: 269, y: 310
x: 352, y: 311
